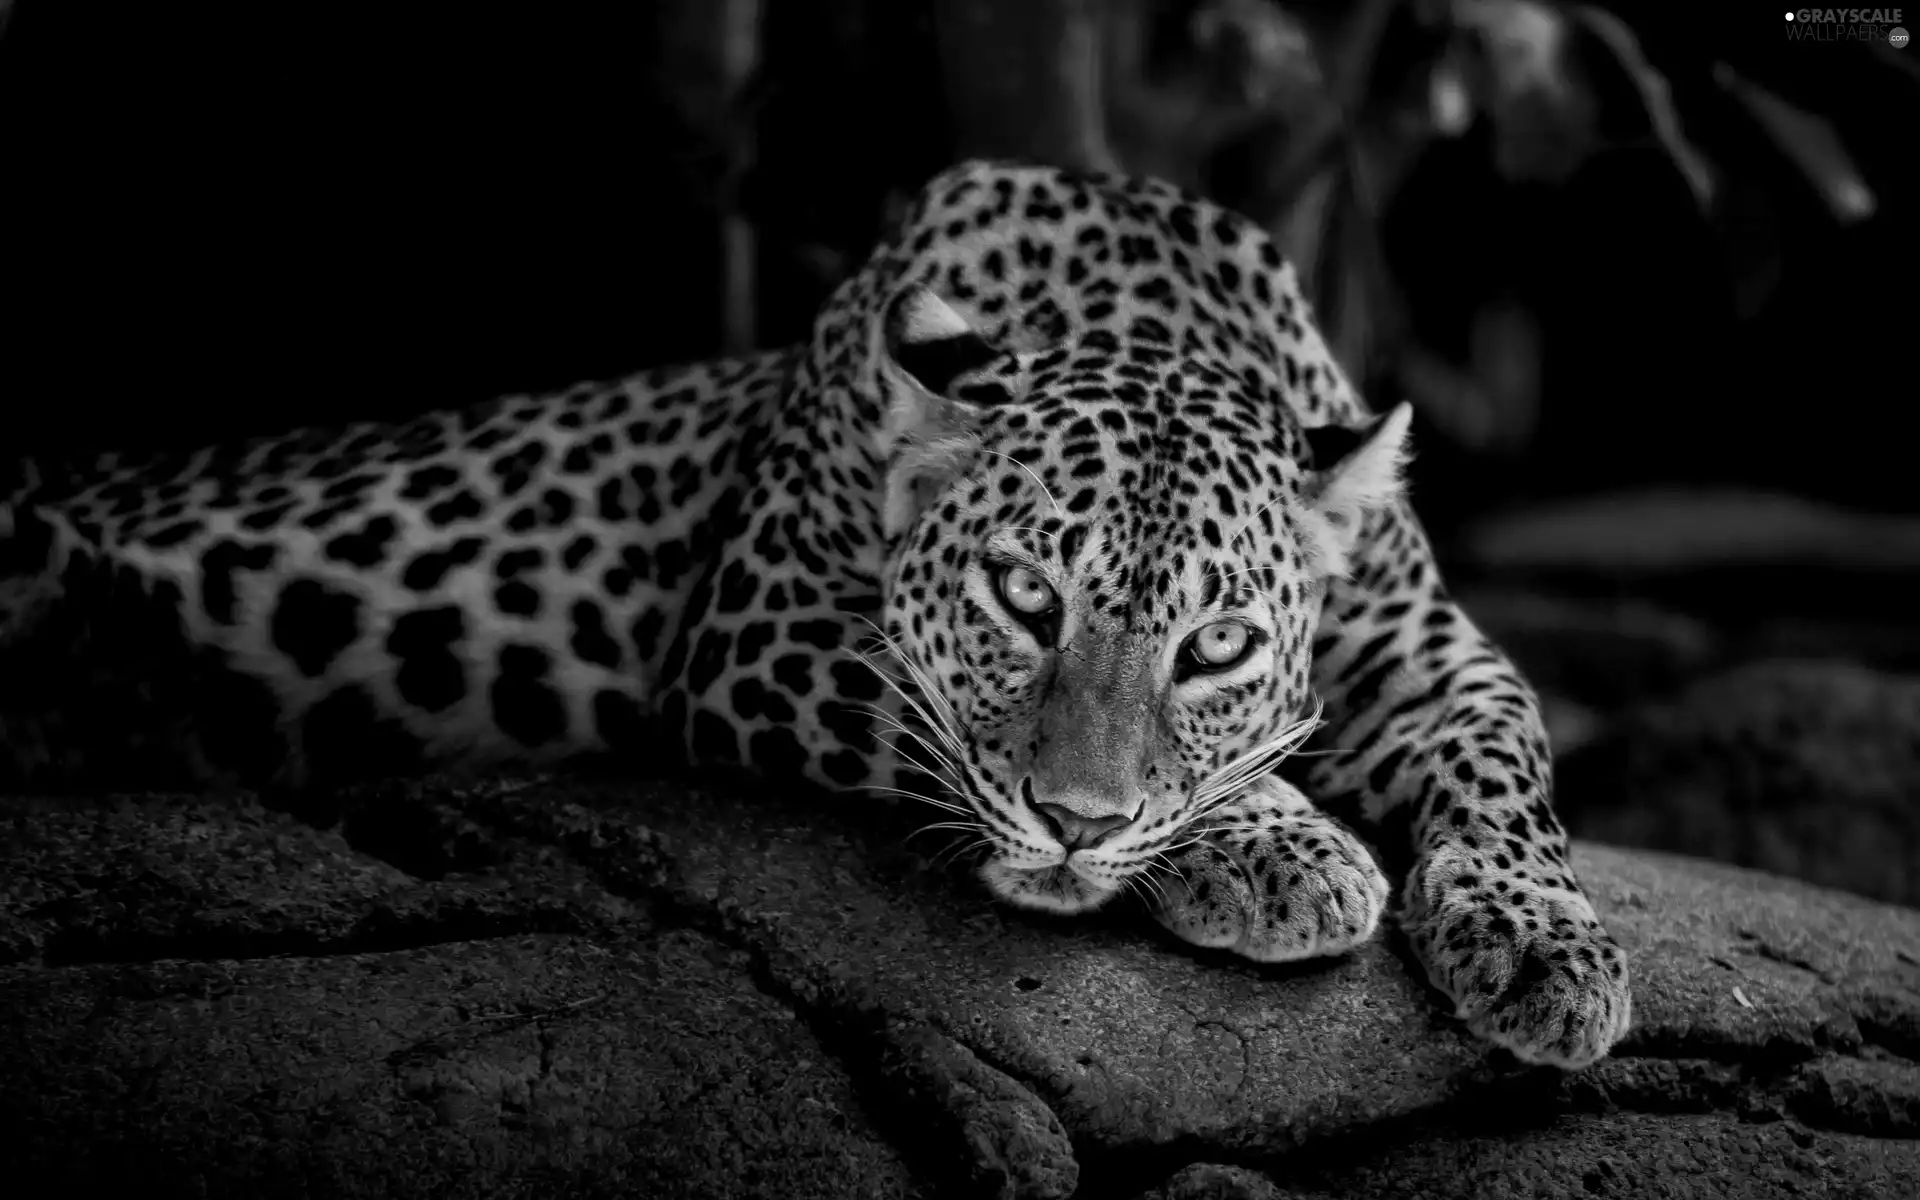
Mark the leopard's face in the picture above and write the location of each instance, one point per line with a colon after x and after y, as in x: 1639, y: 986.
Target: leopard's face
x: 1111, y: 611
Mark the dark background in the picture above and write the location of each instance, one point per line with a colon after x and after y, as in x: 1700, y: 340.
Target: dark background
x: 239, y: 217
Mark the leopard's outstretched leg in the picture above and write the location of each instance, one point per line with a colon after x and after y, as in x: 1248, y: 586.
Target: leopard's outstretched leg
x: 1436, y: 733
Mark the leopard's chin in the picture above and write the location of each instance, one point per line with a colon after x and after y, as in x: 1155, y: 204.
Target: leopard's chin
x: 1056, y: 889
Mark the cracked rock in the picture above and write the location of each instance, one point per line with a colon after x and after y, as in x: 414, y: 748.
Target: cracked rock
x: 1212, y: 1181
x: 1625, y: 1156
x: 1876, y: 1097
x: 998, y: 1136
x: 1807, y: 769
x: 524, y: 1067
x: 620, y: 989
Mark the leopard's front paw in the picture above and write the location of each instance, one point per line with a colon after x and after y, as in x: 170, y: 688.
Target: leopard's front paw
x: 1274, y: 879
x: 1528, y: 967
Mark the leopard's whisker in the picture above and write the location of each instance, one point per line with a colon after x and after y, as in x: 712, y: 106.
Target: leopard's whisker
x: 1141, y: 886
x: 1257, y: 761
x: 922, y: 797
x: 1175, y: 872
x: 1235, y: 775
x: 940, y: 729
x: 960, y: 850
x: 1246, y: 525
x: 889, y: 721
x: 947, y: 727
x: 1044, y: 490
x: 1150, y: 886
x: 1035, y: 530
x: 957, y: 826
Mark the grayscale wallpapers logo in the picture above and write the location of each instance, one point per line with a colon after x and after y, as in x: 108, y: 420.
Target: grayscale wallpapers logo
x: 1847, y: 25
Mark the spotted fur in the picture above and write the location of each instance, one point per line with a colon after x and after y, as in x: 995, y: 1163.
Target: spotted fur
x: 1065, y: 516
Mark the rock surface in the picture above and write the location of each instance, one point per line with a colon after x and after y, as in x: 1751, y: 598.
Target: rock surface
x: 582, y: 989
x: 1809, y: 769
x: 1686, y: 529
x: 1725, y: 674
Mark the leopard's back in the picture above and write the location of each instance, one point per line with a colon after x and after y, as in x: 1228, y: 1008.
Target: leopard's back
x: 498, y: 583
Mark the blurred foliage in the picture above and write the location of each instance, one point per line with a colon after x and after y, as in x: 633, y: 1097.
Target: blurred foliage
x: 1661, y: 217
x: 1310, y: 116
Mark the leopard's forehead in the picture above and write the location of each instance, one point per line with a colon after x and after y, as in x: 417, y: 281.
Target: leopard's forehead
x: 1040, y: 253
x: 1165, y: 363
x: 1133, y: 296
x: 1160, y: 452
x: 1146, y: 511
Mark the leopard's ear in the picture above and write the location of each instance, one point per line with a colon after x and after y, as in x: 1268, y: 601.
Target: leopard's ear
x: 1357, y: 470
x: 931, y: 342
x: 929, y: 431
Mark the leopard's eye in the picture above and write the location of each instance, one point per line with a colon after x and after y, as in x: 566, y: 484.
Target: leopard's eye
x: 1220, y: 644
x: 1025, y: 592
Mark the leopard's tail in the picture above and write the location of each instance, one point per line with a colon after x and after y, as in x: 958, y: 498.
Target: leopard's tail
x: 35, y: 549
x: 42, y: 553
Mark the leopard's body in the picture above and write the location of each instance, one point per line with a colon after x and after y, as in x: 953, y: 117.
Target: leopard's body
x: 1073, y: 443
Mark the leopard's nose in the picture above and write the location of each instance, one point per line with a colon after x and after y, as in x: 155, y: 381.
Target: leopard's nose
x: 1076, y: 832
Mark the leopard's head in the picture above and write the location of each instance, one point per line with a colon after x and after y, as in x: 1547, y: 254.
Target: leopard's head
x: 1105, y: 569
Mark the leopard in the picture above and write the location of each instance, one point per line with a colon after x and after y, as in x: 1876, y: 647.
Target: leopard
x: 1063, y: 517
